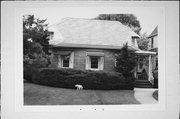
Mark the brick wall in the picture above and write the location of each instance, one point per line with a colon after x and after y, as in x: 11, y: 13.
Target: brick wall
x: 80, y: 58
x: 109, y: 60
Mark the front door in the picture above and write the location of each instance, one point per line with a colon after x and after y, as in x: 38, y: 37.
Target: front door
x: 141, y: 72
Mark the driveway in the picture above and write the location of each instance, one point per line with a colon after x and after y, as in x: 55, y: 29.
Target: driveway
x: 43, y: 95
x: 144, y: 95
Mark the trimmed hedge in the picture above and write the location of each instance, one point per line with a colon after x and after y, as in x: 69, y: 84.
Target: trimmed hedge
x: 28, y: 72
x: 67, y: 78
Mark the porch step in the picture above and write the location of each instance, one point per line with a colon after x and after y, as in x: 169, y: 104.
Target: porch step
x: 143, y: 84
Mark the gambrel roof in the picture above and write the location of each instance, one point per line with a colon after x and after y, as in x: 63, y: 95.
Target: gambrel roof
x: 75, y: 32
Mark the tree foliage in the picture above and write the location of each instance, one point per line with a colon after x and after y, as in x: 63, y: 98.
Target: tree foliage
x: 35, y: 42
x: 126, y: 19
x: 126, y: 61
x: 143, y: 42
x: 34, y: 31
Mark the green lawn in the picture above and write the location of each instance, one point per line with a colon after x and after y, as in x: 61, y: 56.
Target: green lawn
x: 43, y: 95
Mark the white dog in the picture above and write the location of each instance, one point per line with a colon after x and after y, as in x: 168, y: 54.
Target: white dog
x: 79, y: 87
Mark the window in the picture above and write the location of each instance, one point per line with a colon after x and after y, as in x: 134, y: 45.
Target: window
x: 51, y: 35
x: 133, y: 41
x: 141, y: 63
x: 115, y: 61
x: 156, y: 62
x: 94, y: 62
x: 152, y: 42
x: 65, y: 61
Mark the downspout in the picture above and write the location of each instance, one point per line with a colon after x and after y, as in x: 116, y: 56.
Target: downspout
x: 149, y: 76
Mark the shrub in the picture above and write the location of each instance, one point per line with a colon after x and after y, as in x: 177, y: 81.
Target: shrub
x: 27, y: 71
x: 126, y: 61
x: 67, y: 78
x: 32, y: 65
x: 155, y: 75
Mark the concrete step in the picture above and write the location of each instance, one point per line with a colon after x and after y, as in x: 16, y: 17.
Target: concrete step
x: 143, y: 84
x: 141, y: 81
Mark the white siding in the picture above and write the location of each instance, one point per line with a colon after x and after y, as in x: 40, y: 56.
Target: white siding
x: 155, y: 42
x: 71, y: 62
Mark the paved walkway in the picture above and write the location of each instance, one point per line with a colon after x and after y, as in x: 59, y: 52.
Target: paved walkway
x: 144, y: 95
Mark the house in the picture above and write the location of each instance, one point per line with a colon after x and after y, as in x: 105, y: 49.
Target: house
x: 153, y: 46
x: 148, y: 62
x: 87, y: 44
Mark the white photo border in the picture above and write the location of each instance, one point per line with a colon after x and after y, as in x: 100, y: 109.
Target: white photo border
x: 12, y: 65
x: 19, y: 12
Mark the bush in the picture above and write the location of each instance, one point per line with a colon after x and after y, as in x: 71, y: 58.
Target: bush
x: 31, y: 65
x: 67, y: 78
x: 155, y: 75
x: 28, y: 72
x: 126, y: 61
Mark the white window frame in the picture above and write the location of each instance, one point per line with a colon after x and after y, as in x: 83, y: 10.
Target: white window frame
x: 133, y: 41
x: 100, y: 62
x: 62, y: 61
x: 71, y: 60
x: 115, y: 62
x: 99, y: 58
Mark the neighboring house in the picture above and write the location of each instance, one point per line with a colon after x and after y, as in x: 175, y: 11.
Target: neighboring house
x: 148, y: 63
x: 86, y: 44
x: 153, y: 46
x: 153, y: 42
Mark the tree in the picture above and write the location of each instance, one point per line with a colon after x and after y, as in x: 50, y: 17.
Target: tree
x: 35, y: 39
x: 126, y: 19
x: 35, y: 45
x: 125, y: 61
x: 34, y: 30
x: 143, y: 42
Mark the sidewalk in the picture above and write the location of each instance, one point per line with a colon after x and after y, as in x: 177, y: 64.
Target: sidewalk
x: 144, y: 95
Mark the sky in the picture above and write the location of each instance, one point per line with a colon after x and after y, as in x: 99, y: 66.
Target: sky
x: 149, y: 17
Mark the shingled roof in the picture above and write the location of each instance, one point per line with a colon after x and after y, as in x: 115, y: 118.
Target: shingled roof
x: 154, y: 33
x: 74, y: 32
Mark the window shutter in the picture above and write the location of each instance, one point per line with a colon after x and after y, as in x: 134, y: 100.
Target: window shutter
x: 115, y: 62
x: 87, y: 62
x: 101, y: 63
x: 71, y: 61
x: 59, y: 61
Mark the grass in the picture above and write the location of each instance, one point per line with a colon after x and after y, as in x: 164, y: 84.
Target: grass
x: 42, y: 95
x: 155, y: 95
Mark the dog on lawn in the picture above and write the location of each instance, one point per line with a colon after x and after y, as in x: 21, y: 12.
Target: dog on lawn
x: 79, y: 87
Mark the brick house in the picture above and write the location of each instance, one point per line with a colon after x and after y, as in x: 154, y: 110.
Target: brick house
x: 87, y: 44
